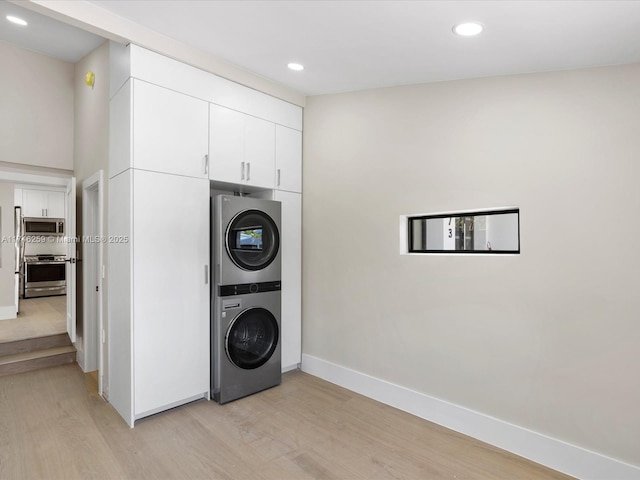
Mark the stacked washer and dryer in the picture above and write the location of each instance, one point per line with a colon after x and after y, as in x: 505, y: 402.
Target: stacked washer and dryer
x: 245, y: 310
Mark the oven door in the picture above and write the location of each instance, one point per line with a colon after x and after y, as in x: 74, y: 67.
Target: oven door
x: 44, y: 278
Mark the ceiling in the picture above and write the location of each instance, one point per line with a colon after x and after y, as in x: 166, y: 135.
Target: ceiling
x: 46, y: 35
x: 354, y: 45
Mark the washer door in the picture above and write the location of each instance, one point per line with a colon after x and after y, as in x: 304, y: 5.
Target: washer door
x: 252, y: 240
x: 252, y: 338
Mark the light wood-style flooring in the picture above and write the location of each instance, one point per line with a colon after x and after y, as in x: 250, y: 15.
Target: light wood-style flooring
x: 53, y: 425
x: 38, y: 317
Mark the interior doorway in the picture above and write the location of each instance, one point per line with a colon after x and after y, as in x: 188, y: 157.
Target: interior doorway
x: 93, y: 239
x: 39, y: 314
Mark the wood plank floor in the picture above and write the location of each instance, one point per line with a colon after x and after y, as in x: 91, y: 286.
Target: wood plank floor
x: 53, y: 425
x: 38, y: 317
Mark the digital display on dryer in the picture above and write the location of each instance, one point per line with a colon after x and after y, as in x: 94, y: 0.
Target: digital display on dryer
x: 249, y: 239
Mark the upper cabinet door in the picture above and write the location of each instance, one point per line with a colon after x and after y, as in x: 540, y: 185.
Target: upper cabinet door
x: 288, y: 159
x: 260, y: 150
x: 226, y: 137
x: 34, y: 203
x: 55, y: 205
x: 170, y: 131
x: 242, y: 148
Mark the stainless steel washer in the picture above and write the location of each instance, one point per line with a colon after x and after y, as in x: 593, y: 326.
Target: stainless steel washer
x: 245, y: 340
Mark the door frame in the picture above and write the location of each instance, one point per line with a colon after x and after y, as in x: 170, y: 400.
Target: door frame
x: 92, y: 271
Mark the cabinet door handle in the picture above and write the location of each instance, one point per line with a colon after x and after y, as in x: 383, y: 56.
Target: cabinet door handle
x: 242, y: 171
x: 278, y: 182
x: 206, y: 164
x: 206, y: 274
x: 248, y: 171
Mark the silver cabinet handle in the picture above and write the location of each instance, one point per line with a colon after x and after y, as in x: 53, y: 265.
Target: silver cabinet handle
x: 242, y: 171
x: 206, y: 164
x: 278, y: 182
x: 248, y: 171
x: 206, y: 274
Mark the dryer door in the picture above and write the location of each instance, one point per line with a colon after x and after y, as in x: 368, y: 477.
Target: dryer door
x: 252, y: 338
x: 252, y: 240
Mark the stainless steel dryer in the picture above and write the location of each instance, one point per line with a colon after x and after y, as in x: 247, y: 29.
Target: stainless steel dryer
x: 245, y: 340
x: 246, y: 247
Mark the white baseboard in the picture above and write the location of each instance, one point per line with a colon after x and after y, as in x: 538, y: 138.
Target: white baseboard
x: 556, y: 454
x: 8, y: 312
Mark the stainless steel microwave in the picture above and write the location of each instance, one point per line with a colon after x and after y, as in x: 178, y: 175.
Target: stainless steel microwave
x: 36, y: 226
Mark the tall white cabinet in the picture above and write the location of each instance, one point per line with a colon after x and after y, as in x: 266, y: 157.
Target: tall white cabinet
x: 158, y: 250
x: 176, y: 132
x: 291, y: 243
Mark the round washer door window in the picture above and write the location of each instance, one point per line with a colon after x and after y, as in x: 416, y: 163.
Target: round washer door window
x: 252, y: 338
x: 252, y: 240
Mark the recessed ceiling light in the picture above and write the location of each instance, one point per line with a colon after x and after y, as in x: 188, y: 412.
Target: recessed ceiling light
x: 468, y: 29
x: 16, y: 20
x: 295, y: 66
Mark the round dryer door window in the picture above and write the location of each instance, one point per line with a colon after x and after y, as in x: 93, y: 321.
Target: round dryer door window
x: 252, y: 240
x: 252, y: 338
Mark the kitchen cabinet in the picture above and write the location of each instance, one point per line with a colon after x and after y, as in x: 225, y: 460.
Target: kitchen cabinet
x: 166, y: 131
x: 43, y: 203
x: 288, y: 159
x: 242, y: 148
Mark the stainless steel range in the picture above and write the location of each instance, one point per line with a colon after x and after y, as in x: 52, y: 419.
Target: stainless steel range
x: 44, y: 275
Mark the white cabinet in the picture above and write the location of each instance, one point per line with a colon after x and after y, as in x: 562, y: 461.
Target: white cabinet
x: 288, y: 159
x: 159, y: 292
x: 159, y: 257
x: 242, y: 148
x: 226, y: 147
x: 43, y: 203
x: 291, y: 244
x: 171, y: 285
x: 55, y: 205
x: 259, y: 151
x: 158, y: 130
x: 171, y: 131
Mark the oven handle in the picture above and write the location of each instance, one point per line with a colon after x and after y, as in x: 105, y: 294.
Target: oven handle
x: 46, y: 263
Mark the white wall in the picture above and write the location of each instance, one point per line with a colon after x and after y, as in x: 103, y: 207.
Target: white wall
x: 91, y: 153
x: 547, y: 340
x: 36, y: 109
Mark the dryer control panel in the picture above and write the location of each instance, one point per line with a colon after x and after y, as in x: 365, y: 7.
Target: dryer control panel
x: 245, y: 288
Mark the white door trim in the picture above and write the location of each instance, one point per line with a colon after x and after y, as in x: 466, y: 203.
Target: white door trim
x: 95, y: 183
